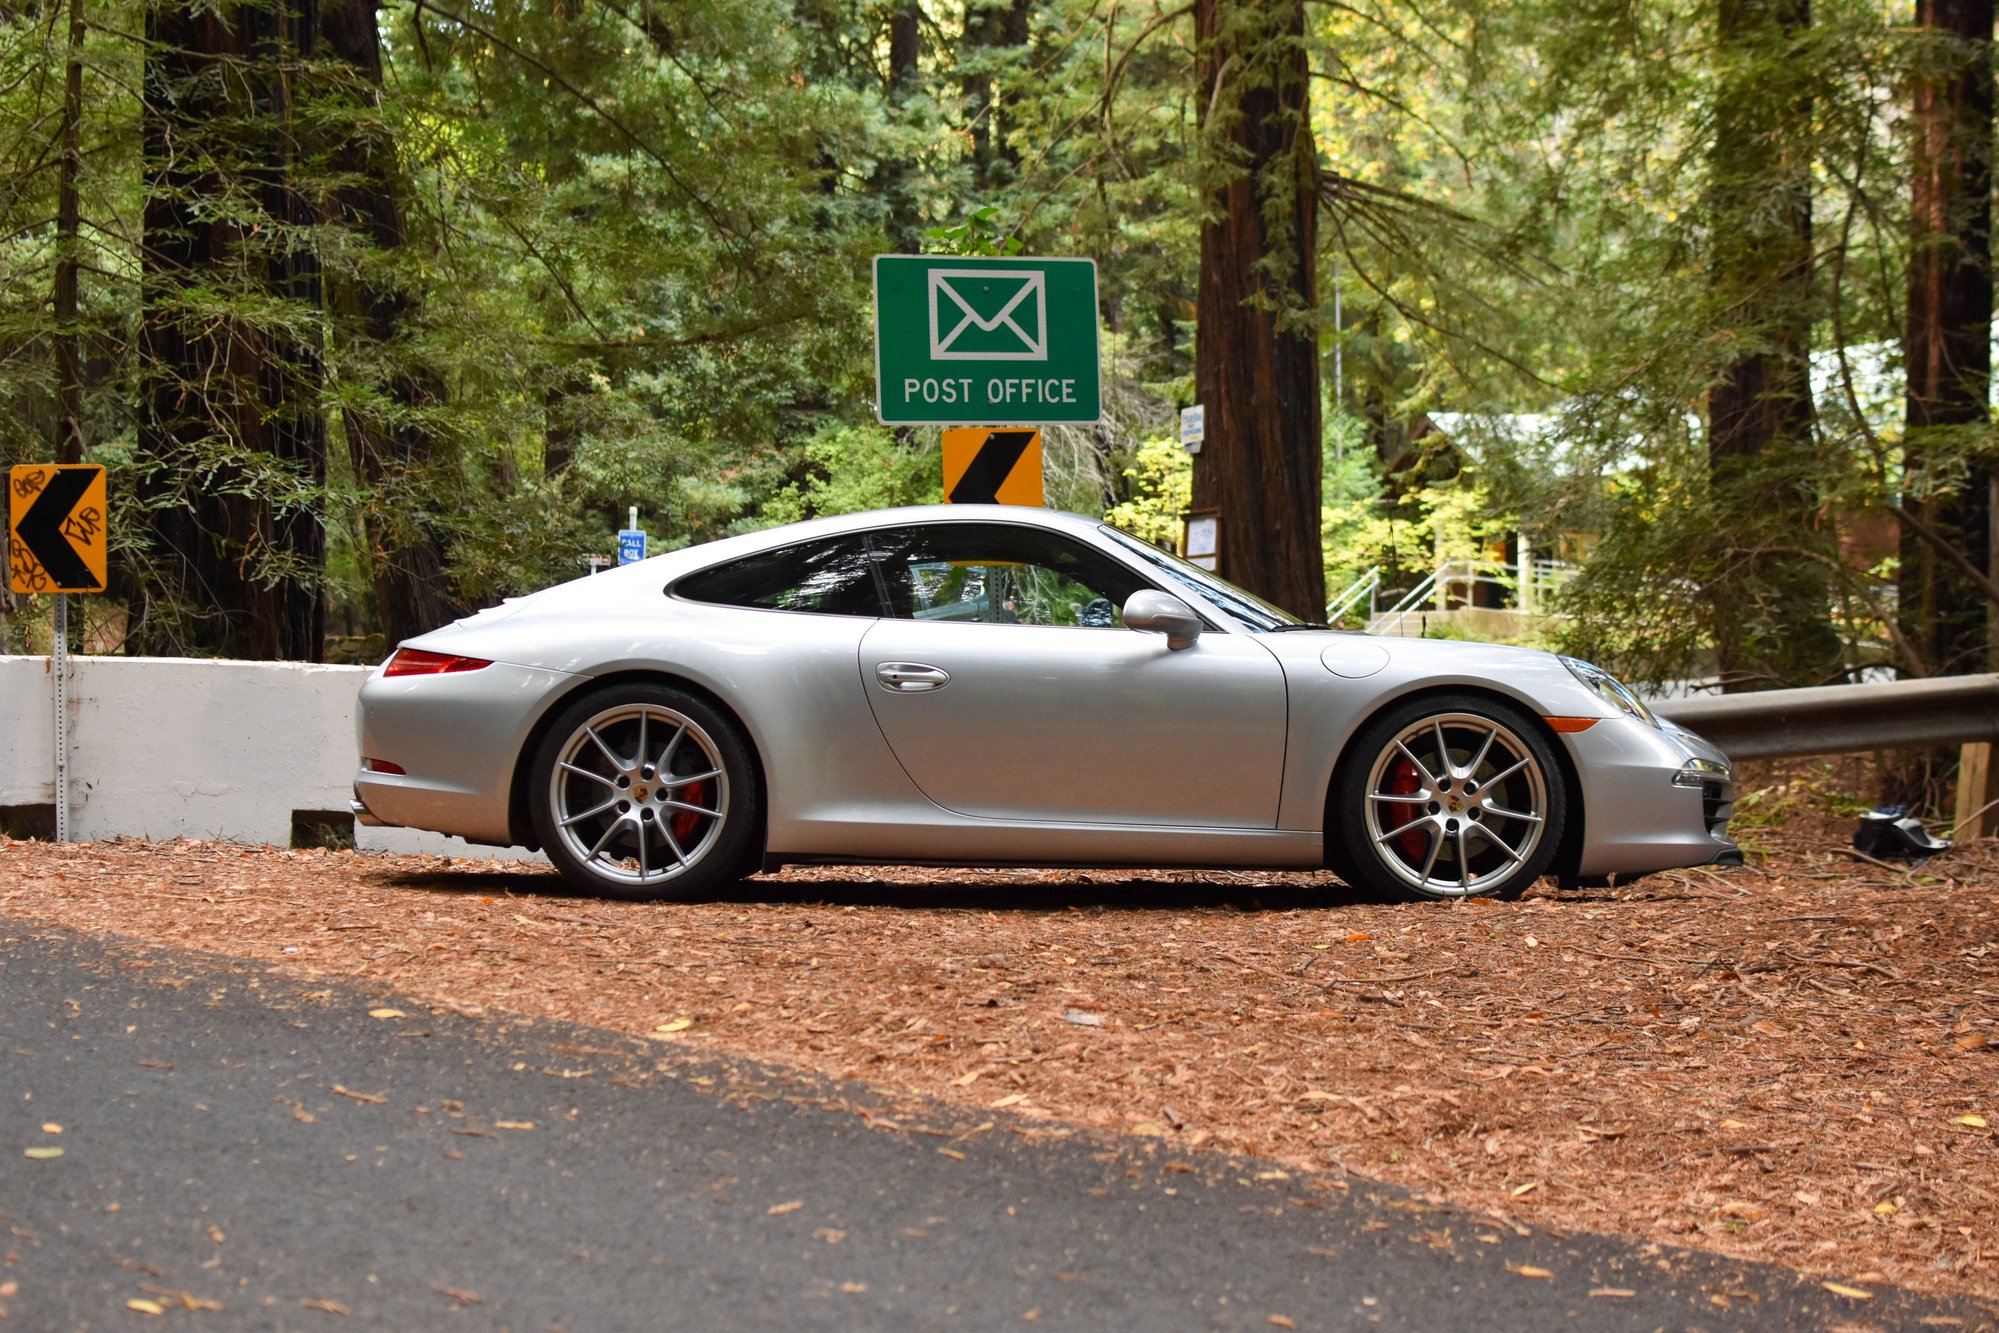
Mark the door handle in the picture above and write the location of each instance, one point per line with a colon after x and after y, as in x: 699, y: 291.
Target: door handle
x: 910, y: 677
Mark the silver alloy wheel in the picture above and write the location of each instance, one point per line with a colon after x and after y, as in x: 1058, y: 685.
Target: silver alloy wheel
x: 639, y: 794
x: 1456, y: 804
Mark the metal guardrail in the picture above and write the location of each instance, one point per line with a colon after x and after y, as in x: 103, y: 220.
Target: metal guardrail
x: 1840, y: 719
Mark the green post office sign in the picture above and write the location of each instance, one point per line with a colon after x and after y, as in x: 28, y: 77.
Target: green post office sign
x: 984, y: 342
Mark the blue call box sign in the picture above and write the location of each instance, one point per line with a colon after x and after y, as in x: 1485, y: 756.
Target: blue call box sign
x: 631, y: 546
x: 978, y: 342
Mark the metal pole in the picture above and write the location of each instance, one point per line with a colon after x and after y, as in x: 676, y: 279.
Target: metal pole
x: 61, y: 657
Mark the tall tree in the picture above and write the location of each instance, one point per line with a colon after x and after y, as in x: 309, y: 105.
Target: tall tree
x: 232, y: 438
x: 1772, y: 607
x: 388, y: 432
x: 995, y: 33
x: 1256, y: 359
x: 1947, y: 343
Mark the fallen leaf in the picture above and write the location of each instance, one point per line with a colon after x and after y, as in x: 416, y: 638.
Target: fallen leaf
x: 186, y: 1300
x: 1529, y: 1270
x: 965, y: 1080
x: 144, y: 1306
x: 1149, y: 1129
x: 1359, y: 937
x: 1529, y: 1187
x: 951, y: 1153
x: 513, y: 1124
x: 1613, y: 1293
x: 779, y: 1209
x: 51, y: 1127
x: 329, y: 1307
x: 1975, y: 1121
x: 1973, y: 1042
x: 674, y: 1025
x: 1886, y: 1209
x: 42, y: 1154
x: 385, y: 1013
x: 303, y: 1116
x: 1841, y: 1289
x: 1082, y: 1018
x: 1733, y: 1124
x: 458, y: 1294
x: 215, y: 1234
x: 831, y: 1235
x: 1738, y: 1208
x: 1011, y: 1099
x: 1767, y: 1028
x: 1280, y: 1321
x: 1031, y: 1315
x: 853, y: 1288
x: 367, y: 1097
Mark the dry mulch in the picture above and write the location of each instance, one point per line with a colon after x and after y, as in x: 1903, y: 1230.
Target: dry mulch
x: 1796, y: 1063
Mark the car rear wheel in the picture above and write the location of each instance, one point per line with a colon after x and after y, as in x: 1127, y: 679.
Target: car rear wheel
x: 1453, y: 796
x: 645, y: 791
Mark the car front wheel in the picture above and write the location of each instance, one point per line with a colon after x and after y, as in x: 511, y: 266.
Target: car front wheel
x: 1454, y: 796
x: 645, y: 791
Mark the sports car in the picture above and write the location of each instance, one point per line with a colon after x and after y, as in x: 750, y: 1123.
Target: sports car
x: 1001, y: 685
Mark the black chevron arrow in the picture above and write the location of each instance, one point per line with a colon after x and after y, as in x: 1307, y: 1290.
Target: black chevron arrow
x: 40, y: 530
x: 988, y: 470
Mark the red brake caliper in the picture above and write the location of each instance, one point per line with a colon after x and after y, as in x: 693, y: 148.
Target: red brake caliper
x: 1402, y: 779
x: 683, y: 821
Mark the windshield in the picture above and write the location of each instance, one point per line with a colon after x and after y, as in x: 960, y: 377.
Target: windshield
x: 1245, y: 608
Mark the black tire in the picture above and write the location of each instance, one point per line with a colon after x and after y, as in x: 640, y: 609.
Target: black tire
x: 646, y: 791
x: 1484, y: 820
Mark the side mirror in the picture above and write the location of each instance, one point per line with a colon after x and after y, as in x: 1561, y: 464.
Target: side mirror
x: 1163, y: 614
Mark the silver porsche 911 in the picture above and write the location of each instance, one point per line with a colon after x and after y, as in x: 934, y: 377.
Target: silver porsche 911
x: 997, y: 685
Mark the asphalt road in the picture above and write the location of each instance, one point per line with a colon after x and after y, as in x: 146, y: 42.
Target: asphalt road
x: 243, y: 1150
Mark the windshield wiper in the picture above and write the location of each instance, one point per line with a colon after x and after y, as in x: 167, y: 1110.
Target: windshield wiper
x: 1302, y: 624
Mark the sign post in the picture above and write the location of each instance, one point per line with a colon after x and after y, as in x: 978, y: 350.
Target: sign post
x: 57, y: 543
x: 631, y: 539
x: 974, y: 342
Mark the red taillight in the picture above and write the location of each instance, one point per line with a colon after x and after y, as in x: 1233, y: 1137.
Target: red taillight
x: 382, y: 766
x: 417, y: 662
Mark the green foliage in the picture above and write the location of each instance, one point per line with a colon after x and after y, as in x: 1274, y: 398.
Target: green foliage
x: 634, y: 269
x: 1160, y: 478
x: 851, y: 468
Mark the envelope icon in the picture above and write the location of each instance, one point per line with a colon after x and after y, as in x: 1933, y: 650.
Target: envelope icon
x: 979, y: 314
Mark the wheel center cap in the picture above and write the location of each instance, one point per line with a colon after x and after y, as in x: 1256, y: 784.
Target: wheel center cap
x: 639, y: 791
x: 1455, y: 804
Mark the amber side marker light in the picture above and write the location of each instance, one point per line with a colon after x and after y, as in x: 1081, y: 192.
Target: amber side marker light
x: 417, y: 662
x: 1565, y: 725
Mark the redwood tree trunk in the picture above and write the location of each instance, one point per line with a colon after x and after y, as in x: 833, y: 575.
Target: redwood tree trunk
x: 1256, y: 360
x: 1947, y: 344
x: 232, y: 442
x: 1772, y: 609
x: 392, y: 448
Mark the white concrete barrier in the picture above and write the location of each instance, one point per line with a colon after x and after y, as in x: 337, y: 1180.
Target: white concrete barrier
x: 171, y: 747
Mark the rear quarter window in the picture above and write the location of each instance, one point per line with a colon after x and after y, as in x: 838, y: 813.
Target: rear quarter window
x: 832, y: 577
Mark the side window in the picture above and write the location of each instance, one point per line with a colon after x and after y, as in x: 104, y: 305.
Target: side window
x: 995, y: 573
x: 833, y: 577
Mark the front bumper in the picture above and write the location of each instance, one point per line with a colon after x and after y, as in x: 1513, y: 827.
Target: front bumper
x: 1654, y: 798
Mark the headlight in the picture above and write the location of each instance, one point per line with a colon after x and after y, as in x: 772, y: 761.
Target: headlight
x: 1611, y: 690
x: 1698, y: 772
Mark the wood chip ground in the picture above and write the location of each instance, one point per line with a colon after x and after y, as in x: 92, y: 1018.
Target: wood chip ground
x: 1796, y: 1062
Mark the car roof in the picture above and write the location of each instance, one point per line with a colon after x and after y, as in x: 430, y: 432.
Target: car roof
x: 673, y: 564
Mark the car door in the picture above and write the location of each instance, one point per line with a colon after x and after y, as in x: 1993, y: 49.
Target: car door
x: 1008, y: 688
